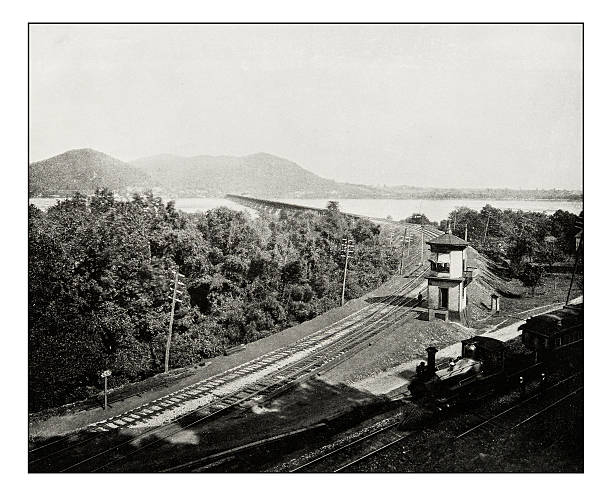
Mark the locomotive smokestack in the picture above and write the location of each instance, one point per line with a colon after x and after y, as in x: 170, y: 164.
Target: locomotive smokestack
x: 431, y: 359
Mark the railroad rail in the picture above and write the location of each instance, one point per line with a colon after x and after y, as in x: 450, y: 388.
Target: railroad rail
x: 343, y: 456
x: 523, y: 402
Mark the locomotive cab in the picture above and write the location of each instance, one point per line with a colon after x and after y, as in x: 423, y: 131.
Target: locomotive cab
x: 490, y: 352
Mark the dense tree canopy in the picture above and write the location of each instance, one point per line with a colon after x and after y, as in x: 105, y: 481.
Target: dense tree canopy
x: 517, y: 236
x: 100, y: 273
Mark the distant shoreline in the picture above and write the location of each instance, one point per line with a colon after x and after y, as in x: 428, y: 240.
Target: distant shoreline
x: 332, y: 197
x: 434, y: 209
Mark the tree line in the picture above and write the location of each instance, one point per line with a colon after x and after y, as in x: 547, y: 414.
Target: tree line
x: 528, y: 243
x: 100, y: 276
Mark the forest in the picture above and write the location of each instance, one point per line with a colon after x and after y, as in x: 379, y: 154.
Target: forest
x: 527, y: 244
x: 518, y: 236
x: 100, y: 280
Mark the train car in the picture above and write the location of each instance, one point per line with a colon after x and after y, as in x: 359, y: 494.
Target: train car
x: 555, y: 330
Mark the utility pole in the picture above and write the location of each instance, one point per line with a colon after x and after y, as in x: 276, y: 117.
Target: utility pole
x: 422, y: 240
x: 409, y: 238
x: 347, y: 247
x: 575, y: 267
x: 401, y: 264
x: 486, y: 229
x: 174, y: 299
x: 466, y: 227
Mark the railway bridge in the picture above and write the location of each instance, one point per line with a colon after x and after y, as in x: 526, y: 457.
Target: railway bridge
x: 272, y: 206
x: 275, y: 207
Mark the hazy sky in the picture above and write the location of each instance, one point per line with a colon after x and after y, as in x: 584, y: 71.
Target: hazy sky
x: 425, y: 105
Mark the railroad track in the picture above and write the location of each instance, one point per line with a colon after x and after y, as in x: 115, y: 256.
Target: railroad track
x: 540, y: 394
x: 521, y: 418
x: 341, y: 458
x: 335, y: 340
x: 266, y: 389
x: 348, y: 455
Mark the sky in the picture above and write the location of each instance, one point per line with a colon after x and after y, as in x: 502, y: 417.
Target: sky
x: 464, y: 106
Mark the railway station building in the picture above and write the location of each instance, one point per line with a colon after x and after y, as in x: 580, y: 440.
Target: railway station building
x: 448, y: 278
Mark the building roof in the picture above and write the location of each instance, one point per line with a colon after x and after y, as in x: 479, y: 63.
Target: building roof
x: 448, y: 239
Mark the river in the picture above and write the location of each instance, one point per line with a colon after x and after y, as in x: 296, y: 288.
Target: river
x: 435, y: 210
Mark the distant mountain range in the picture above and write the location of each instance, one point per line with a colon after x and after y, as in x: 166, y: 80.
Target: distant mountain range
x: 258, y: 175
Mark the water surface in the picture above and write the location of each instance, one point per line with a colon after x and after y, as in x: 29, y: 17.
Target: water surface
x: 435, y: 210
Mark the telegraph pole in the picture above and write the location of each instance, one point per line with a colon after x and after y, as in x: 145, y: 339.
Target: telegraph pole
x: 401, y: 265
x: 422, y: 240
x: 466, y: 227
x: 575, y: 267
x: 486, y: 229
x: 409, y: 238
x: 174, y: 299
x: 347, y: 247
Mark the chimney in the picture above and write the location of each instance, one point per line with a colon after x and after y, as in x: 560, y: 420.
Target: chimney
x: 431, y: 359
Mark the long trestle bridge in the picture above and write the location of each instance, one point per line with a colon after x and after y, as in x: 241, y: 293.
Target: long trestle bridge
x: 275, y: 207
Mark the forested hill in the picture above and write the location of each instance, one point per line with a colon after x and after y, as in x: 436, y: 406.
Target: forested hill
x: 260, y: 174
x: 84, y: 170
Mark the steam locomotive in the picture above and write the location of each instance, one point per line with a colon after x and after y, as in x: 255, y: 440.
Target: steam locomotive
x: 479, y: 370
x: 487, y: 365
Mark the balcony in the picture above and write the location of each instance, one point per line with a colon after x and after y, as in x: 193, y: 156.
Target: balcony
x: 439, y: 267
x: 442, y: 271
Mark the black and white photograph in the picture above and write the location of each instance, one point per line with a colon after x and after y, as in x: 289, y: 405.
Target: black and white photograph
x: 306, y: 248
